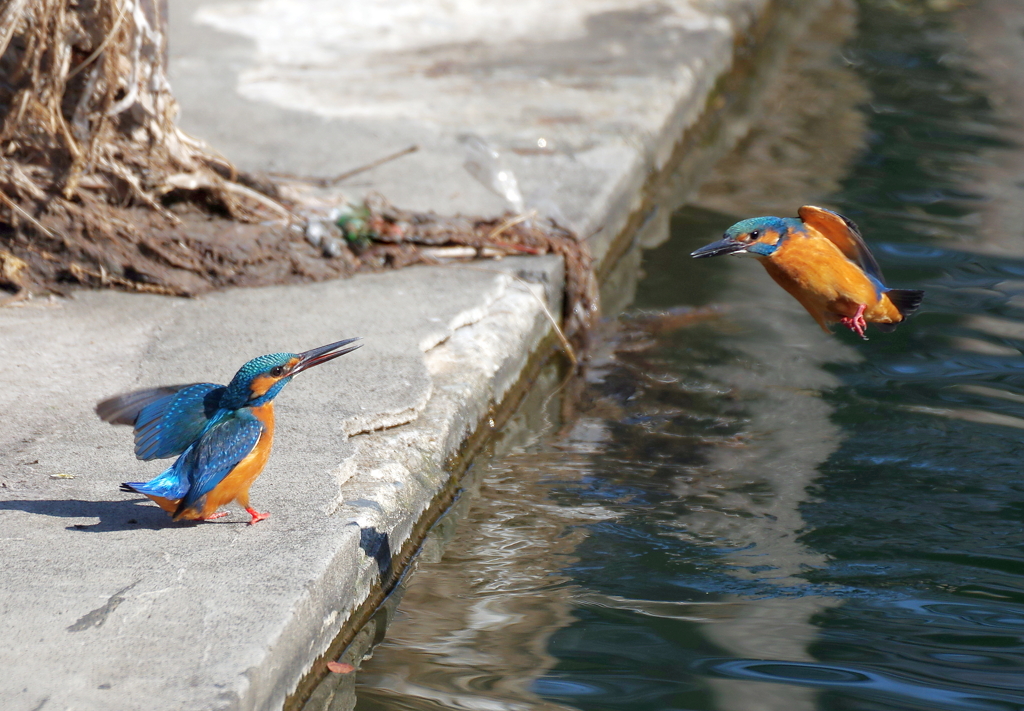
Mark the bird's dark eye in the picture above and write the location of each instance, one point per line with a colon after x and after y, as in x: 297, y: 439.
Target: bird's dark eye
x: 755, y: 234
x: 277, y: 371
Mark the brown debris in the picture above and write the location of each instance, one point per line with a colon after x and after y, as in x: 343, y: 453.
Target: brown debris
x: 98, y: 186
x: 91, y: 160
x: 340, y: 668
x: 424, y: 235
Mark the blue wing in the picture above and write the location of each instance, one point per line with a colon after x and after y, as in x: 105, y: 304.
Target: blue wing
x: 166, y: 419
x: 167, y: 426
x: 217, y: 452
x: 843, y: 233
x: 124, y: 409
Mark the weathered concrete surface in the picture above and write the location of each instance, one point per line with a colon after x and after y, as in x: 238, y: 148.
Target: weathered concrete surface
x: 105, y: 603
x: 583, y: 98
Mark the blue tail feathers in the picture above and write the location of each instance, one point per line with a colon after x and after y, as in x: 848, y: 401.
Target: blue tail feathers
x: 171, y: 484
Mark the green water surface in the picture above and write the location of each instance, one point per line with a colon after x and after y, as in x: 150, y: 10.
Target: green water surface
x: 735, y: 511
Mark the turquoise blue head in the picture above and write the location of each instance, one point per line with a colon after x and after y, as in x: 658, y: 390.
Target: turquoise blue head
x: 758, y: 237
x: 261, y: 379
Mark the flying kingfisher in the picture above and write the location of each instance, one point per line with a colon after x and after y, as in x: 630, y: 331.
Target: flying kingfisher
x: 222, y: 435
x: 822, y: 261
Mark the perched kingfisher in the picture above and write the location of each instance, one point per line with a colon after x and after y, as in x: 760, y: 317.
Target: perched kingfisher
x: 822, y: 261
x: 221, y: 435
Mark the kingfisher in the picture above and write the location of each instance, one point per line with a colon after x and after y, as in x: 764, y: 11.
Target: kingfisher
x: 221, y: 435
x: 821, y: 259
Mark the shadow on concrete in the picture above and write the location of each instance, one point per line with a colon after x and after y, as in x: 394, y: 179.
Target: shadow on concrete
x: 377, y: 545
x: 112, y: 515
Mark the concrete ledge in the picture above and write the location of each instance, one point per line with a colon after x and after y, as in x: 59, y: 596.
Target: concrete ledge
x: 584, y: 100
x: 106, y: 603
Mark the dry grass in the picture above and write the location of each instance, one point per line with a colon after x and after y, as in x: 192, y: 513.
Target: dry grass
x: 87, y: 129
x: 98, y: 185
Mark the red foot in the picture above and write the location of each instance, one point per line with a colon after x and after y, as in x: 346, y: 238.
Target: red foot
x: 219, y: 514
x: 856, y: 323
x: 256, y: 515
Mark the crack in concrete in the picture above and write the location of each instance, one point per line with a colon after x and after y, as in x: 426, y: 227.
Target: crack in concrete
x: 97, y: 617
x: 364, y: 424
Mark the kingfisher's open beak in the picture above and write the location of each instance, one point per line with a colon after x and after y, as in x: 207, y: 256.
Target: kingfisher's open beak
x: 322, y: 355
x: 722, y: 246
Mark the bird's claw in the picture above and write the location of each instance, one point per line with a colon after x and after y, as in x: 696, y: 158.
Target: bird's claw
x: 856, y: 323
x: 256, y: 515
x: 219, y: 514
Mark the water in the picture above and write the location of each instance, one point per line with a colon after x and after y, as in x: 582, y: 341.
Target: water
x: 732, y: 510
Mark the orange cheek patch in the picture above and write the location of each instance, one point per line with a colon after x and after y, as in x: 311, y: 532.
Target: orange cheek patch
x: 262, y: 383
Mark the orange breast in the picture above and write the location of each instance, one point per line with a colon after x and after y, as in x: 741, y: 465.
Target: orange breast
x: 236, y: 484
x: 168, y: 505
x: 826, y: 283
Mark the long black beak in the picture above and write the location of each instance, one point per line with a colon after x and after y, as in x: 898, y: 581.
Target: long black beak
x: 717, y: 249
x: 323, y: 354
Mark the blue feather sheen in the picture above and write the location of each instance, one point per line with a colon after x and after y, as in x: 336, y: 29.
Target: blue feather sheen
x: 764, y: 250
x: 780, y: 225
x: 228, y: 440
x: 166, y: 427
x: 880, y: 288
x: 210, y: 426
x: 172, y: 484
x: 239, y: 390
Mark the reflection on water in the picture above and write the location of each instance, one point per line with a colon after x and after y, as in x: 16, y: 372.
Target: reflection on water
x: 733, y: 510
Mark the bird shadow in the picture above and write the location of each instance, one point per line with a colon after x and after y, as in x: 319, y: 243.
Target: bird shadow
x: 377, y: 545
x: 113, y: 515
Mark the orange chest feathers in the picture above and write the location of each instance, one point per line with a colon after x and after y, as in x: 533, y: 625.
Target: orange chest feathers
x: 826, y: 283
x: 252, y: 466
x: 247, y: 470
x: 817, y: 270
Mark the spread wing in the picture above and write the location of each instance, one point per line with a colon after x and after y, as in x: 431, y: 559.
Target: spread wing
x: 843, y: 233
x: 124, y: 409
x: 217, y: 452
x: 167, y: 419
x: 166, y: 427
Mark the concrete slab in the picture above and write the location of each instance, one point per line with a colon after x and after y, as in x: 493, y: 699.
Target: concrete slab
x: 105, y: 603
x: 583, y: 99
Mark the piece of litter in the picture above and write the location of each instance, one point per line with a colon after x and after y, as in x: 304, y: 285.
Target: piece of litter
x: 340, y: 667
x: 62, y: 476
